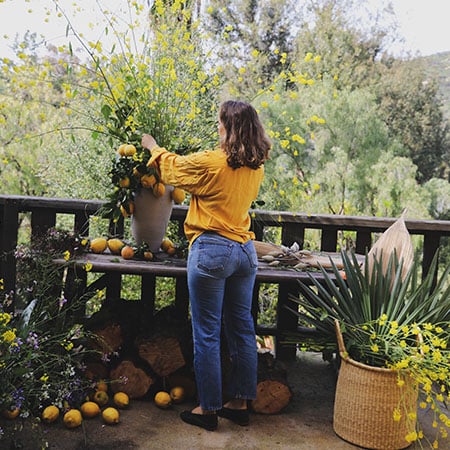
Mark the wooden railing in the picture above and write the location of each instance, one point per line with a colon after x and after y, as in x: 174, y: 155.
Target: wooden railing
x: 42, y: 214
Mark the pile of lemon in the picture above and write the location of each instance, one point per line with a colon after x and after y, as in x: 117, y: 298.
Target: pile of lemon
x: 91, y: 408
x: 117, y: 246
x: 165, y: 399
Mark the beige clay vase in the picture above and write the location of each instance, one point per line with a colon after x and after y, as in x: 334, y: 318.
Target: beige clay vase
x: 151, y: 217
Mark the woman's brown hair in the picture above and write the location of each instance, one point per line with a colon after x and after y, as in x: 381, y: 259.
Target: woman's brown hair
x: 246, y: 142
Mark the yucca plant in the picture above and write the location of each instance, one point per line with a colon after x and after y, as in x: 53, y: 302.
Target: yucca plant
x: 393, y: 319
x: 358, y: 295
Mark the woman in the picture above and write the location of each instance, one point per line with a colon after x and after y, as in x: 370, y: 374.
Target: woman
x: 222, y: 261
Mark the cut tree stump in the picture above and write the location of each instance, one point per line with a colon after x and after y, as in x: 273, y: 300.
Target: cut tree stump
x: 109, y: 338
x: 273, y: 393
x: 162, y: 353
x: 129, y: 378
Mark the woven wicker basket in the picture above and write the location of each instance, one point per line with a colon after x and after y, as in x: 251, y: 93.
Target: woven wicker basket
x: 365, y: 401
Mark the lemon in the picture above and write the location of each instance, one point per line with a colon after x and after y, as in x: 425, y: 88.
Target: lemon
x: 72, y: 418
x: 102, y: 385
x: 162, y: 399
x: 177, y: 394
x: 148, y: 181
x: 101, y: 398
x: 115, y: 245
x: 159, y: 189
x: 111, y: 415
x: 121, y: 399
x: 129, y: 150
x: 98, y: 245
x: 50, y: 413
x: 171, y: 251
x: 148, y: 255
x: 127, y: 252
x: 178, y: 195
x: 166, y: 244
x: 121, y: 150
x: 90, y: 409
x: 124, y: 182
x: 10, y: 413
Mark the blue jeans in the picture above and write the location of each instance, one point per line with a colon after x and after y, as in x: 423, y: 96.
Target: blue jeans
x: 221, y: 276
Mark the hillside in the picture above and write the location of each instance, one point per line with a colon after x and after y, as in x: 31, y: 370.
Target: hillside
x: 438, y: 66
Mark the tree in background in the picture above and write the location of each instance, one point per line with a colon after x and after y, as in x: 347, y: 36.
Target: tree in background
x: 409, y: 102
x: 411, y: 106
x: 239, y: 31
x: 28, y: 104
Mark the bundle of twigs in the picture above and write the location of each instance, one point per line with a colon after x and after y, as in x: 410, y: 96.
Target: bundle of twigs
x: 276, y: 255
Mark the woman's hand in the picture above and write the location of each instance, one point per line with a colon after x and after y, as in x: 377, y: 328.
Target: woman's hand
x: 148, y: 141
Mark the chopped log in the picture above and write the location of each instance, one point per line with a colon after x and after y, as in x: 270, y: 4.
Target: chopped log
x: 96, y: 370
x: 109, y: 338
x: 162, y: 353
x: 271, y: 397
x: 129, y: 378
x: 273, y: 393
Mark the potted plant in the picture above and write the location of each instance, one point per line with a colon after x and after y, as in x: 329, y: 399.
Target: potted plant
x: 393, y: 330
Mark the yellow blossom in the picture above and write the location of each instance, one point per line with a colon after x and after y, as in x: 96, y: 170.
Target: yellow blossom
x: 411, y: 437
x: 9, y: 335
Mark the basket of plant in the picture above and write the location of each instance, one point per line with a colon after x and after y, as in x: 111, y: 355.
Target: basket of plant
x: 392, y: 328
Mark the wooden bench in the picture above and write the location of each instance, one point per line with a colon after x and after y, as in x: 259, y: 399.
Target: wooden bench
x: 113, y: 267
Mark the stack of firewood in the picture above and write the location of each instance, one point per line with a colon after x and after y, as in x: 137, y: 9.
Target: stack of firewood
x: 146, y: 354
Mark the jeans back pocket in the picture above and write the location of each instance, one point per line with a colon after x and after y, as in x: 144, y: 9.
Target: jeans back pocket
x: 213, y: 254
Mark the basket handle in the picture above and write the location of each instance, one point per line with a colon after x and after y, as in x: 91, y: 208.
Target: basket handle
x: 340, y: 338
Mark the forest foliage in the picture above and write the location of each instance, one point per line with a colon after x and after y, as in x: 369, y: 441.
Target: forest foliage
x: 355, y: 130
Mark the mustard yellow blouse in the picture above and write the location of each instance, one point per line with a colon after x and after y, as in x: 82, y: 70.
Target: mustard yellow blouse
x: 220, y: 196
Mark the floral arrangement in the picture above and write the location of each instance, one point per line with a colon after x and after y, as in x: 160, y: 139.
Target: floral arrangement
x: 389, y: 318
x: 158, y: 79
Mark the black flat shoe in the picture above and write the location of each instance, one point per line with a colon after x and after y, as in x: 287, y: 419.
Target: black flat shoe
x: 206, y: 421
x: 239, y: 416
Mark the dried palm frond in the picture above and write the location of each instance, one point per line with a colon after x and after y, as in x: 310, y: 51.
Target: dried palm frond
x: 395, y: 239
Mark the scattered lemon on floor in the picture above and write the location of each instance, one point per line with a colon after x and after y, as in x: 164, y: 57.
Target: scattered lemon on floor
x: 101, y: 386
x: 177, y: 394
x: 72, y: 418
x: 90, y: 409
x: 10, y: 413
x: 111, y: 415
x: 162, y: 399
x: 50, y: 414
x: 121, y: 400
x: 101, y: 398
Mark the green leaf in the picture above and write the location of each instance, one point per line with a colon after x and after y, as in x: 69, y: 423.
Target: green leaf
x: 106, y: 111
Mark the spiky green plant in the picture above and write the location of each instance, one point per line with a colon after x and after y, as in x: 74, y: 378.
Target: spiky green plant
x: 355, y: 296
